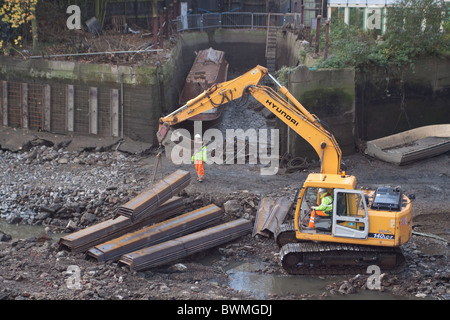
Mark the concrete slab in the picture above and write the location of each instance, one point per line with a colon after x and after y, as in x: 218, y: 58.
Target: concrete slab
x: 16, y: 139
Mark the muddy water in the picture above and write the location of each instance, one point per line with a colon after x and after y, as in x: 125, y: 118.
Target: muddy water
x: 249, y: 277
x: 244, y: 277
x: 21, y: 231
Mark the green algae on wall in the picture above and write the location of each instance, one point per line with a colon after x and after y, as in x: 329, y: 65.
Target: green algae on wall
x: 330, y: 95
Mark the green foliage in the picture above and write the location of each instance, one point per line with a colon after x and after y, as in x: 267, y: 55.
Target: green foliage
x: 282, y: 74
x: 414, y: 29
x: 19, y: 15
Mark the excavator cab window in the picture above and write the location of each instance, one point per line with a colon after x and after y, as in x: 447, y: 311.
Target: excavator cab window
x: 350, y: 218
x: 311, y: 198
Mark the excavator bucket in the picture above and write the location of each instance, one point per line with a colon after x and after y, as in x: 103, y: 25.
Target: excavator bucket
x: 162, y: 132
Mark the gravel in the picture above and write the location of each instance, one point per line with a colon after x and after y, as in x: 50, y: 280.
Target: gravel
x: 65, y: 191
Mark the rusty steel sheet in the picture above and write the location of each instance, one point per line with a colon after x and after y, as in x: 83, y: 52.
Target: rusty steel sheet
x: 163, y: 231
x: 184, y: 246
x: 150, y: 199
x: 209, y: 68
x: 271, y: 213
x: 265, y: 207
x: 277, y: 215
x: 85, y: 239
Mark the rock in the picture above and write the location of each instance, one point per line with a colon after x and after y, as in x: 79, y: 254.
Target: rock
x: 164, y: 289
x: 63, y: 161
x: 346, y: 288
x: 232, y: 206
x: 14, y: 218
x: 5, y: 237
x: 88, y: 218
x: 196, y: 289
x: 71, y: 226
x: 180, y: 267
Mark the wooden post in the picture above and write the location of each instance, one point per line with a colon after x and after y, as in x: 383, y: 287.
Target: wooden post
x: 303, y: 14
x: 318, y: 33
x: 5, y: 103
x: 327, y: 32
x: 155, y: 24
x: 93, y: 110
x: 47, y: 108
x: 166, y: 22
x: 114, y: 112
x: 161, y: 23
x: 25, y: 109
x: 169, y: 20
x: 70, y: 108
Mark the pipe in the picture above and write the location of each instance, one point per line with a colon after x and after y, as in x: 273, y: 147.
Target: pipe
x: 121, y: 106
x: 92, y: 53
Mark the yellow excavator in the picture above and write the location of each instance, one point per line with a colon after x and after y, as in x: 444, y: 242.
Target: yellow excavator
x: 365, y: 227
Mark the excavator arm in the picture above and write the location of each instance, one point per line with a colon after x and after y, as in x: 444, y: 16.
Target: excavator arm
x: 289, y: 110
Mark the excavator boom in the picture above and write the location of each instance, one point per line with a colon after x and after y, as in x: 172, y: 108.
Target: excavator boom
x: 289, y: 110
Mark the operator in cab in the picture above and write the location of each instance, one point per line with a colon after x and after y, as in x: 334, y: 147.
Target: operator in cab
x: 324, y: 209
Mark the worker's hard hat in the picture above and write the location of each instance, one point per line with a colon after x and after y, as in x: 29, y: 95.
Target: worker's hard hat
x: 322, y: 190
x: 198, y: 137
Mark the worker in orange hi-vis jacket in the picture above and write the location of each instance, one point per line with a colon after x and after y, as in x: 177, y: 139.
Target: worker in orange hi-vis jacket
x: 199, y: 158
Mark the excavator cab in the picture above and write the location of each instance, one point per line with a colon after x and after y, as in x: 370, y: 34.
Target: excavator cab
x: 349, y: 218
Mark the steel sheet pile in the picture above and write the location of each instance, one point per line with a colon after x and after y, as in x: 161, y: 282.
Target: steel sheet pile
x: 85, y: 239
x: 271, y: 213
x: 184, y: 246
x: 164, y: 231
x: 149, y: 200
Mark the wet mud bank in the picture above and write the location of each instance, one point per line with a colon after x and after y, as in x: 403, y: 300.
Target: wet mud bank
x: 59, y: 190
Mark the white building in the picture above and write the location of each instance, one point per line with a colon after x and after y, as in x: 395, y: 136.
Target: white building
x: 368, y: 14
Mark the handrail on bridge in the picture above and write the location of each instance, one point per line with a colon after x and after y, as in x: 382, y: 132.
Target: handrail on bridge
x: 237, y: 20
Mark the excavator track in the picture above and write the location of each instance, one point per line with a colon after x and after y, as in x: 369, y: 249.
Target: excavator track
x: 285, y: 234
x: 316, y: 258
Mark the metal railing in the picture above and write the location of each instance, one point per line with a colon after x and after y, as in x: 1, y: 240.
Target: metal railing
x: 248, y: 20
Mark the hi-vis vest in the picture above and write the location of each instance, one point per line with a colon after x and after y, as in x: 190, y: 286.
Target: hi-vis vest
x: 200, y: 155
x: 327, y: 204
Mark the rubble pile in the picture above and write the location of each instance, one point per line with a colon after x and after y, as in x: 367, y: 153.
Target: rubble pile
x: 58, y: 188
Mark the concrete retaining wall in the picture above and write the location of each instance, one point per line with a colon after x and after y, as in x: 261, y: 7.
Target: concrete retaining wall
x: 330, y: 95
x: 149, y: 92
x: 389, y: 100
x: 65, y: 88
x: 70, y: 87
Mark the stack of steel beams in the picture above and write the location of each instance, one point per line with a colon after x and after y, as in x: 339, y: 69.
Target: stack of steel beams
x: 85, y: 239
x: 184, y: 246
x: 149, y: 200
x: 164, y: 231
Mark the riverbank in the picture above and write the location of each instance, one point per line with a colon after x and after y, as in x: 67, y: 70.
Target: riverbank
x: 61, y: 189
